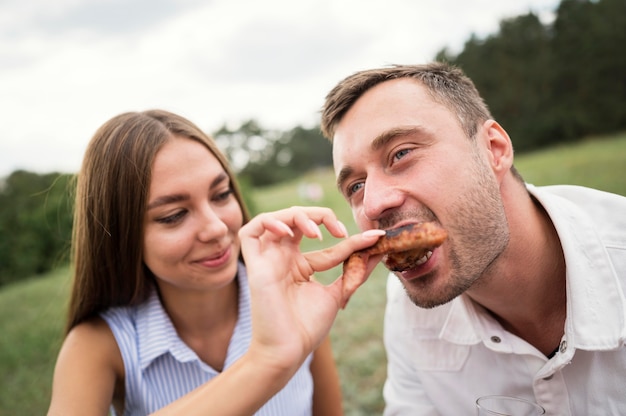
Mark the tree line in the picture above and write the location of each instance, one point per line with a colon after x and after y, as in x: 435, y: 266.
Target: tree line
x: 557, y: 82
x: 35, y: 223
x: 544, y: 82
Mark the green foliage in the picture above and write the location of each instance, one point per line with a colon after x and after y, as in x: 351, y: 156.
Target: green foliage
x: 590, y: 66
x: 265, y: 157
x: 556, y: 82
x: 31, y: 312
x: 246, y: 189
x: 307, y: 149
x: 35, y: 224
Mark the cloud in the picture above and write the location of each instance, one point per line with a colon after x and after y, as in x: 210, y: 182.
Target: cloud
x: 282, y: 52
x: 69, y: 65
x: 103, y: 17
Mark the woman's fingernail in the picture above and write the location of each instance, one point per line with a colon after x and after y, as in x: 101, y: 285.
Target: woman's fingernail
x: 373, y: 233
x: 343, y: 228
x: 286, y: 228
x: 316, y: 229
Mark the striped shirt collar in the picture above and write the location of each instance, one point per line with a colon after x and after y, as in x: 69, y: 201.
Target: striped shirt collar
x: 157, y: 335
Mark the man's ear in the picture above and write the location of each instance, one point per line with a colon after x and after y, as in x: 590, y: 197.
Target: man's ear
x: 499, y: 147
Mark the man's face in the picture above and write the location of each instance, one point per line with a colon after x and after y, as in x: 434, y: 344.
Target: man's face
x: 400, y: 158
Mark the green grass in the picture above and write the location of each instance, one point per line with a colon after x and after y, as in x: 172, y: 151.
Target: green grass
x: 31, y: 318
x: 596, y: 162
x: 32, y: 312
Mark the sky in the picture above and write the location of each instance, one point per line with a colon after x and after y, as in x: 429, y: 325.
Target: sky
x: 67, y: 66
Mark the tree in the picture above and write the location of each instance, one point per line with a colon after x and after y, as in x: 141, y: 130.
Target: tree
x: 590, y: 81
x: 263, y: 157
x: 35, y: 224
x: 553, y: 82
x: 509, y: 70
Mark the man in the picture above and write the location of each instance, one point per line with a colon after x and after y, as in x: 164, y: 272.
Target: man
x: 527, y: 295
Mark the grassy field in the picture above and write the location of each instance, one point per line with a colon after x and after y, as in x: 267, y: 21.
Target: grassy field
x: 31, y: 318
x: 31, y: 312
x: 596, y: 162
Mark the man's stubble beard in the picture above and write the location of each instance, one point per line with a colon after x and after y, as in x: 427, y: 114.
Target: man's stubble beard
x: 475, y: 242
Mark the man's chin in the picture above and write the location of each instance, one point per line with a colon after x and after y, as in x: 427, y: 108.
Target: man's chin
x: 422, y: 293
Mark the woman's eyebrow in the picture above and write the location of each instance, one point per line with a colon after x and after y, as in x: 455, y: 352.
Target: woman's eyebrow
x: 169, y: 199
x: 219, y: 179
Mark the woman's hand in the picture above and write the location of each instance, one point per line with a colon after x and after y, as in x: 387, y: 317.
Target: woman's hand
x: 291, y: 311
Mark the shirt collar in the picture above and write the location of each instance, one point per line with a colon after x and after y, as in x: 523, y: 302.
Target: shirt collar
x: 594, y: 300
x: 459, y: 325
x: 595, y: 306
x: 157, y: 335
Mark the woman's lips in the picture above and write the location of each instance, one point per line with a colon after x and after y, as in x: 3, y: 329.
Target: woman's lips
x: 217, y: 259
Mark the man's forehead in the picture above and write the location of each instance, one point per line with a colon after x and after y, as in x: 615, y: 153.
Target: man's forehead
x: 388, y: 105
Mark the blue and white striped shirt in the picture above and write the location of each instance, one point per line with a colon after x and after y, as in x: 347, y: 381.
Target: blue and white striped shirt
x: 161, y: 368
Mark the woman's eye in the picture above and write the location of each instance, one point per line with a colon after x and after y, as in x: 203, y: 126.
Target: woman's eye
x: 222, y: 196
x: 171, y: 219
x: 401, y: 153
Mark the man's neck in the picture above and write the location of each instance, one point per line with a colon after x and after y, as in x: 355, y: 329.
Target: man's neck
x: 526, y: 288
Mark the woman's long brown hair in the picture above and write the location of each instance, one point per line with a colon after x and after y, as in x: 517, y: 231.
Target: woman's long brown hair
x: 111, y: 197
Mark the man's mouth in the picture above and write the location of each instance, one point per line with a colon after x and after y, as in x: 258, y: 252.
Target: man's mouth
x: 406, y: 260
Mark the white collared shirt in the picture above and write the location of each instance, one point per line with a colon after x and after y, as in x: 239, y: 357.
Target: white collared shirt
x: 441, y: 360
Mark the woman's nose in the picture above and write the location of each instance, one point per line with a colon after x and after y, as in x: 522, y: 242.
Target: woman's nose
x: 210, y: 226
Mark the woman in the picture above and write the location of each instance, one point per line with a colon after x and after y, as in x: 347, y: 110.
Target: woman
x: 161, y: 311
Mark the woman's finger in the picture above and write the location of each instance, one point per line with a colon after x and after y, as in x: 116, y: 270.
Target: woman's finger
x: 330, y: 257
x: 262, y: 223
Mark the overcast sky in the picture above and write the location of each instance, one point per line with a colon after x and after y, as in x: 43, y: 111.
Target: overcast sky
x: 67, y: 66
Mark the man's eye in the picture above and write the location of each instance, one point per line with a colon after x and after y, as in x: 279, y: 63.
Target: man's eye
x: 354, y: 188
x: 401, y: 153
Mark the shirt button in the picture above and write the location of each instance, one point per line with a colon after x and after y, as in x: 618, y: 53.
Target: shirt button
x: 563, y: 346
x: 495, y: 339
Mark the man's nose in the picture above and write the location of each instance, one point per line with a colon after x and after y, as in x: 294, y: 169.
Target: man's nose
x: 380, y: 195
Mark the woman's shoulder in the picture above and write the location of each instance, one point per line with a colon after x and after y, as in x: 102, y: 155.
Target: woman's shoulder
x: 89, y: 348
x: 93, y: 340
x: 91, y: 329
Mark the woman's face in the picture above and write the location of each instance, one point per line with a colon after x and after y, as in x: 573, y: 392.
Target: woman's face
x: 192, y: 219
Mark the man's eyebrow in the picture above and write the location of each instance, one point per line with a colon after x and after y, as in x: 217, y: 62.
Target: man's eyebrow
x: 344, y: 173
x: 388, y: 135
x: 169, y: 199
